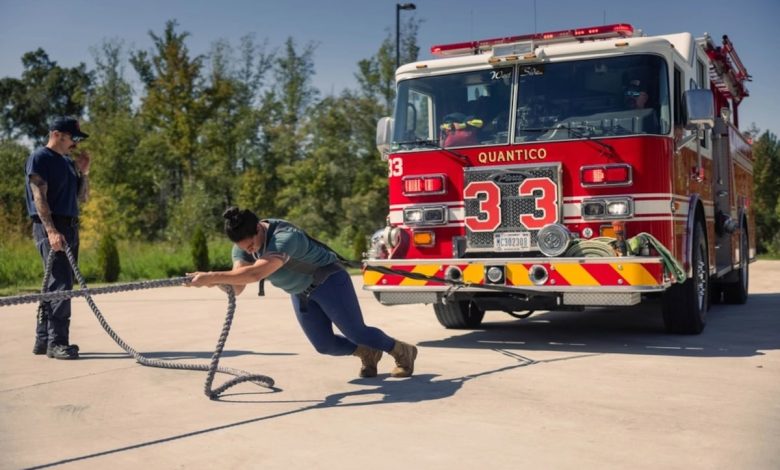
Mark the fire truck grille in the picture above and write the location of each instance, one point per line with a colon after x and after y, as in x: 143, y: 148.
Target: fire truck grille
x: 508, y: 180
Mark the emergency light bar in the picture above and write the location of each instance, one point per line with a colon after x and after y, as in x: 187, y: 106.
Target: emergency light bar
x: 478, y: 47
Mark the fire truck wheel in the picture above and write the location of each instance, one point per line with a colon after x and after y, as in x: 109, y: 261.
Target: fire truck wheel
x: 716, y: 293
x: 685, y: 305
x: 459, y: 314
x: 737, y: 292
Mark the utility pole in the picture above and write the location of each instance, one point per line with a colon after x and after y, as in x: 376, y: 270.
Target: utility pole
x: 398, y: 8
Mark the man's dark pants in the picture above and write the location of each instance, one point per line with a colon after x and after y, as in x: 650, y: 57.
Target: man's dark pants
x: 53, y: 323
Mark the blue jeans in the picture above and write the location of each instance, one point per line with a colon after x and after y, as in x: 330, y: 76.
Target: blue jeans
x: 334, y: 302
x: 53, y: 323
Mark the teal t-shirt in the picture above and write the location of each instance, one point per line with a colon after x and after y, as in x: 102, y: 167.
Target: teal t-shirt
x: 287, y: 239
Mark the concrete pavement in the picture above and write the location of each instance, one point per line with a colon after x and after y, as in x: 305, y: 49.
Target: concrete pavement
x: 595, y: 389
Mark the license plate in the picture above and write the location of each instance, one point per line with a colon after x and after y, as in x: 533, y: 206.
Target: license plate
x: 512, y: 241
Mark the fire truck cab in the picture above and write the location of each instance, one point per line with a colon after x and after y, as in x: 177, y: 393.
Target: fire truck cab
x: 594, y: 167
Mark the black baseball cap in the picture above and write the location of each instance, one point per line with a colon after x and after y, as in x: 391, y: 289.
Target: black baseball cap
x: 68, y: 124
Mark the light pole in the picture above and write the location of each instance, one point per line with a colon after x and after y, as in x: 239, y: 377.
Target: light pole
x: 398, y: 8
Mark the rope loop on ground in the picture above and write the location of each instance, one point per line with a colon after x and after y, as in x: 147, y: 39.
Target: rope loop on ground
x: 212, y: 368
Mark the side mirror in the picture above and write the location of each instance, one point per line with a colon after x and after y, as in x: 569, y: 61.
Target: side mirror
x: 384, y: 136
x: 699, y: 109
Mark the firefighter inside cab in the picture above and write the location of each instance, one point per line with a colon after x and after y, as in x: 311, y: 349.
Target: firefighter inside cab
x: 636, y: 95
x: 484, y: 116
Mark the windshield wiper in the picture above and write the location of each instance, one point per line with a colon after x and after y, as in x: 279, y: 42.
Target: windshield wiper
x: 535, y: 129
x: 435, y: 144
x: 578, y: 132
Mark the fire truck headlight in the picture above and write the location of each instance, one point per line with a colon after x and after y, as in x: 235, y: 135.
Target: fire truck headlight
x: 593, y: 209
x: 607, y: 208
x: 425, y: 215
x: 435, y: 215
x: 553, y: 239
x: 620, y: 207
x: 413, y: 216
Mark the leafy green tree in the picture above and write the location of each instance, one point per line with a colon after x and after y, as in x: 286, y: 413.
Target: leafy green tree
x: 112, y: 93
x: 200, y: 250
x: 108, y: 259
x: 283, y: 116
x: 376, y: 75
x: 315, y: 186
x: 173, y: 107
x: 44, y: 90
x: 365, y: 208
x: 229, y: 134
x: 410, y: 50
x: 254, y: 192
x: 766, y: 174
x: 13, y: 214
x: 196, y: 209
x: 116, y: 169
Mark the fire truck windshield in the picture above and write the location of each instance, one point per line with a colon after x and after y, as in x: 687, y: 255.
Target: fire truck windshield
x: 593, y: 98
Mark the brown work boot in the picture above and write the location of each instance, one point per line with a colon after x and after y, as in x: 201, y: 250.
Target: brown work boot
x: 404, y: 355
x: 369, y: 358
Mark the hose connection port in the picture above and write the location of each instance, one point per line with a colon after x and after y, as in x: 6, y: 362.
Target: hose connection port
x: 538, y: 274
x: 453, y: 273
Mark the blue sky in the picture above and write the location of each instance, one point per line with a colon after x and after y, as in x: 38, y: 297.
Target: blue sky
x: 346, y: 31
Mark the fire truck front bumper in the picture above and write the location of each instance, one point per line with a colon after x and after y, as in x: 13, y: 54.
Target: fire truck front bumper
x: 589, y: 281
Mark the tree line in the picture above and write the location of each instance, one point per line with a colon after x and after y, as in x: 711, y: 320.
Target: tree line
x: 241, y: 125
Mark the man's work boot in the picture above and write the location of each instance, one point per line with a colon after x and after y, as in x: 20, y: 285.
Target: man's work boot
x: 369, y: 357
x: 63, y: 351
x: 404, y: 355
x: 40, y: 347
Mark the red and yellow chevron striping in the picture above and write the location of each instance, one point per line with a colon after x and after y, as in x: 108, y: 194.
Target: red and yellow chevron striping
x: 590, y: 274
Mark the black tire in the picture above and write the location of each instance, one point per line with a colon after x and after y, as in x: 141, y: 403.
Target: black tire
x: 685, y: 305
x: 737, y: 292
x: 716, y: 293
x: 459, y: 315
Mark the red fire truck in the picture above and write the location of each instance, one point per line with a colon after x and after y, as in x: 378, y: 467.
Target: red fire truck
x: 593, y: 167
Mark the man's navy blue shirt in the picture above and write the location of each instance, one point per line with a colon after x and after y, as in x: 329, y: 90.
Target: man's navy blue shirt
x: 59, y: 172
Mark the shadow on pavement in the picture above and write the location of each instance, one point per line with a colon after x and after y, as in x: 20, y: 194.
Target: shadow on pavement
x: 732, y: 331
x: 380, y: 390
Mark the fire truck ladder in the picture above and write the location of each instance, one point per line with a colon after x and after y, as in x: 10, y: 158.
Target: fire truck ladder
x: 727, y: 72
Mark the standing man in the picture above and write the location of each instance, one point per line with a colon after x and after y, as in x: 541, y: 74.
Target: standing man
x: 55, y: 185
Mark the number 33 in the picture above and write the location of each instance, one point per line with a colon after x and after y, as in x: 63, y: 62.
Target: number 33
x: 489, y: 217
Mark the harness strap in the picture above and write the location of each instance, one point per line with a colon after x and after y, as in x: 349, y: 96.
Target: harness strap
x: 319, y: 273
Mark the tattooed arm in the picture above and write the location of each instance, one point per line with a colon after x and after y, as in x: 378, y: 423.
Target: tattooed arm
x: 39, y: 188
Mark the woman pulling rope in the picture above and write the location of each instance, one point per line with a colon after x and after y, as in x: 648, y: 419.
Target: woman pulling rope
x: 321, y: 290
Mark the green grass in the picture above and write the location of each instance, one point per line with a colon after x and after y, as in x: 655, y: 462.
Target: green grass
x: 21, y: 269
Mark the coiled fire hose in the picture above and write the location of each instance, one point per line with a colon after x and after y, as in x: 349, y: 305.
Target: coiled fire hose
x: 599, y: 247
x: 605, y: 247
x: 240, y: 376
